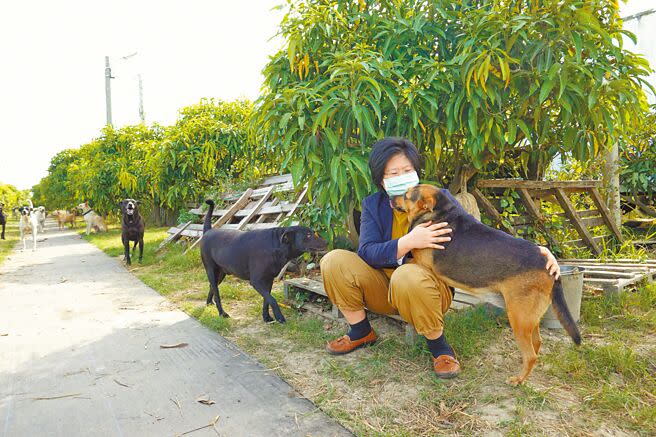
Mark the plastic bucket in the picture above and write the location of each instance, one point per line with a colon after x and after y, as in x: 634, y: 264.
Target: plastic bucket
x: 572, y: 279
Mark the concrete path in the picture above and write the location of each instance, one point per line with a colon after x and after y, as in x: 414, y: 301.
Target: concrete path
x: 80, y: 355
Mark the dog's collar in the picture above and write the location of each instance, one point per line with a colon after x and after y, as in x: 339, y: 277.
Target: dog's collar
x: 85, y: 213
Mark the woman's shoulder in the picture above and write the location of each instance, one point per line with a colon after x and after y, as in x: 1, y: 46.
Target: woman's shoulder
x: 373, y: 199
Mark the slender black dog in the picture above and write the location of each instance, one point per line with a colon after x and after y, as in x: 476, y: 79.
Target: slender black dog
x: 256, y: 256
x: 3, y: 220
x: 132, y: 228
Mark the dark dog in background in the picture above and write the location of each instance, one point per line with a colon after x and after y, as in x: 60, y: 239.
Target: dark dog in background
x: 3, y: 220
x: 481, y: 259
x: 256, y: 256
x: 132, y: 228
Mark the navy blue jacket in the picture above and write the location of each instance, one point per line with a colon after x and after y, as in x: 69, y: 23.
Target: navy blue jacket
x: 376, y: 245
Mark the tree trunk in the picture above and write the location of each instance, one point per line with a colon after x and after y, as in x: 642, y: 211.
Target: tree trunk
x: 611, y: 181
x: 536, y: 167
x: 462, y: 175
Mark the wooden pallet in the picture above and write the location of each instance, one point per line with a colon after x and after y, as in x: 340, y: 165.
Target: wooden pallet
x: 613, y: 276
x: 532, y: 193
x: 461, y: 300
x: 249, y: 210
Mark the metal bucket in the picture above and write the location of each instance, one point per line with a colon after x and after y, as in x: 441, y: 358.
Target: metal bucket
x: 572, y: 279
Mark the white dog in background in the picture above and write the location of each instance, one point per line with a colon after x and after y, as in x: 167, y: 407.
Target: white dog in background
x: 29, y: 224
x: 41, y: 216
x: 92, y: 219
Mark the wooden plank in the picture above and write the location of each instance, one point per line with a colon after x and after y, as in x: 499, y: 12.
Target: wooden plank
x: 490, y: 210
x: 277, y: 179
x: 591, y: 222
x: 225, y: 218
x: 535, y: 185
x: 173, y: 237
x: 582, y: 213
x: 299, y: 200
x: 575, y: 220
x: 529, y: 203
x: 605, y: 213
x: 263, y: 213
x: 257, y: 207
x: 582, y: 243
x: 615, y: 262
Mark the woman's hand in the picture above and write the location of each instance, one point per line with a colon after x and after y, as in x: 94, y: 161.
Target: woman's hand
x: 424, y: 236
x: 552, y: 264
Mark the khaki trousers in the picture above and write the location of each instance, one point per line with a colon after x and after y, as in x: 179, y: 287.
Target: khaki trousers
x: 412, y: 291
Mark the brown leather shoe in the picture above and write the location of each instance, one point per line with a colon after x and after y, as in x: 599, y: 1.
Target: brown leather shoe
x: 344, y: 345
x: 446, y: 366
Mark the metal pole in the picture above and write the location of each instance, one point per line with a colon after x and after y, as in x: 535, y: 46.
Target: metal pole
x: 108, y: 90
x: 142, y: 116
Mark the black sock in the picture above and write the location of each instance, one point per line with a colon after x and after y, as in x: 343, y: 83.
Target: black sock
x: 439, y: 346
x: 359, y: 330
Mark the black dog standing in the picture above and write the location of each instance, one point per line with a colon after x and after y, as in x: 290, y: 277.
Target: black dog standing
x: 3, y: 219
x: 132, y: 228
x: 256, y: 256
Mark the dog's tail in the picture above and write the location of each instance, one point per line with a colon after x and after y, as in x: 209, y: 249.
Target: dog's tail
x: 562, y: 312
x: 207, y: 225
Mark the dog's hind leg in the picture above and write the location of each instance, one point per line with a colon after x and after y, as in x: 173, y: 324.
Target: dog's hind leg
x: 215, y: 277
x: 263, y: 286
x: 525, y: 309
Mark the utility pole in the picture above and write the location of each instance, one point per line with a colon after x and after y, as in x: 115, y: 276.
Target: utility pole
x: 142, y: 116
x: 108, y: 91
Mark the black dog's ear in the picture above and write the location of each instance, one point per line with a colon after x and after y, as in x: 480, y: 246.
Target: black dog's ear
x: 285, y: 238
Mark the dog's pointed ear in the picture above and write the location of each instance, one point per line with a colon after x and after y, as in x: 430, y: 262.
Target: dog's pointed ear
x: 285, y: 238
x: 427, y: 202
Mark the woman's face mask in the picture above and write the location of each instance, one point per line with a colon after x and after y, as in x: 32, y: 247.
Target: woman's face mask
x: 397, y: 185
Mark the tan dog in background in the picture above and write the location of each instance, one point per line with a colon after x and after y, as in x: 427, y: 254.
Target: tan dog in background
x: 64, y: 217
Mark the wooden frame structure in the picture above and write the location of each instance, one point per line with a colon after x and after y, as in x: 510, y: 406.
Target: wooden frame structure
x: 531, y: 193
x: 253, y: 209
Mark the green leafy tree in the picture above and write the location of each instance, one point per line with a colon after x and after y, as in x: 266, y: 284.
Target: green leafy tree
x: 493, y: 86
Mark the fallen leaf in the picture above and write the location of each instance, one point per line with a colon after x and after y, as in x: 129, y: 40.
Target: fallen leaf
x: 171, y: 346
x: 4, y: 334
x: 204, y: 401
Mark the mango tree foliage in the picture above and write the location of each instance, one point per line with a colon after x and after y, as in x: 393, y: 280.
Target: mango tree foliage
x: 473, y: 84
x: 12, y: 197
x: 160, y: 166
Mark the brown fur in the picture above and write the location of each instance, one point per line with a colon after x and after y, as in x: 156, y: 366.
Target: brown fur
x: 64, y: 217
x: 475, y: 262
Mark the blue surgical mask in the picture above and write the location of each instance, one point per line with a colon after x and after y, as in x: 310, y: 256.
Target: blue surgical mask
x: 397, y: 185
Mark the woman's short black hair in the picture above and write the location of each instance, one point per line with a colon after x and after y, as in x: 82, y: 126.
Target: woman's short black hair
x: 383, y: 150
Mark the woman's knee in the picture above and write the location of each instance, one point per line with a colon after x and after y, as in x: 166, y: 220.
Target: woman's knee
x: 336, y: 260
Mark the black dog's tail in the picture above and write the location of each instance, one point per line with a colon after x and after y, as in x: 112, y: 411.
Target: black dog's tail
x: 562, y: 312
x: 207, y: 225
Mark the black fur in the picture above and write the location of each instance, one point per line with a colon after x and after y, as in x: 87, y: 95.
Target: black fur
x: 3, y: 220
x: 132, y: 228
x: 256, y: 256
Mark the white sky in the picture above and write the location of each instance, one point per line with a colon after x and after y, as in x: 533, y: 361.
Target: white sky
x: 52, y: 54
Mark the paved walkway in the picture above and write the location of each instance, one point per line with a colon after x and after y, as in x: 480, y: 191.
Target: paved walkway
x: 80, y: 355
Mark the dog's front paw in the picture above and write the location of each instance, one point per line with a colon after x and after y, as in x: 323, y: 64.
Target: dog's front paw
x: 224, y: 314
x: 514, y: 381
x: 281, y: 319
x: 267, y: 318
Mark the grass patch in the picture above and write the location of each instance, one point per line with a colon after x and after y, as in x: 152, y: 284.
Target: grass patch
x: 12, y: 236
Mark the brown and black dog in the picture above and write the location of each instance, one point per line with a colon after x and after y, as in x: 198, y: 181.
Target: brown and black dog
x: 483, y: 259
